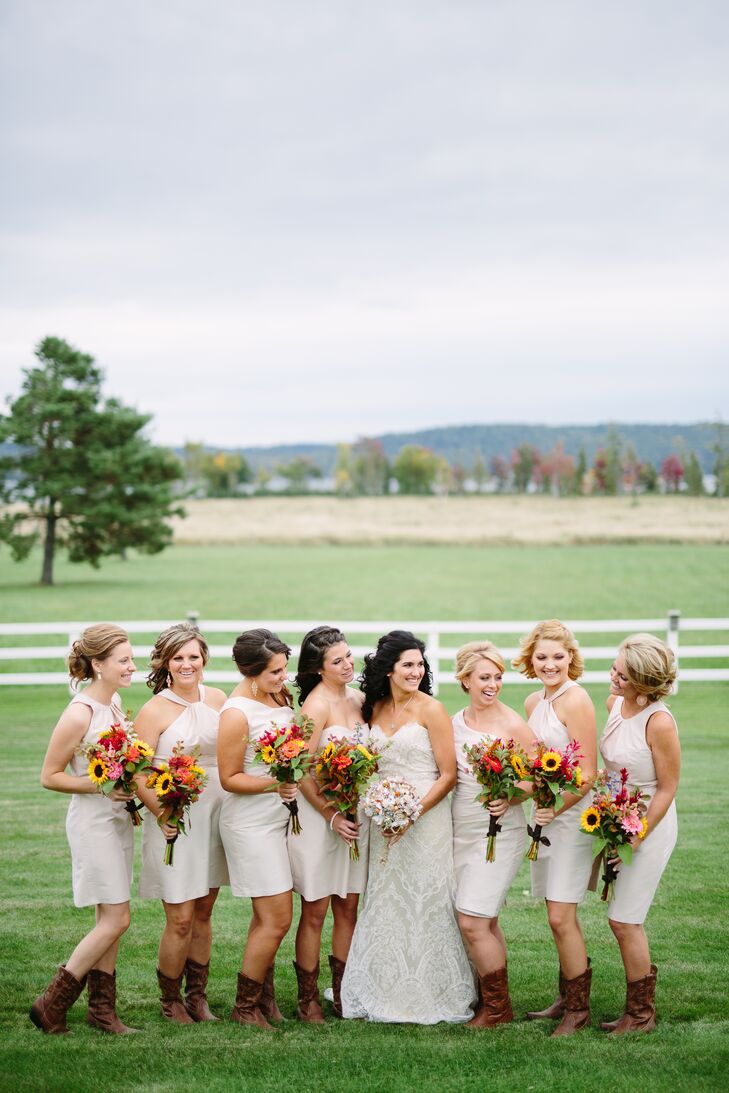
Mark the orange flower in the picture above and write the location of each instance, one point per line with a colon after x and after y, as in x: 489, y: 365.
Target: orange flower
x: 292, y: 748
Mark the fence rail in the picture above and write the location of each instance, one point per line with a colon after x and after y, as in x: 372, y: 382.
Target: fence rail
x: 670, y: 627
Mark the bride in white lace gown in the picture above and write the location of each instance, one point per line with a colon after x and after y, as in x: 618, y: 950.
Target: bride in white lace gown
x: 407, y: 962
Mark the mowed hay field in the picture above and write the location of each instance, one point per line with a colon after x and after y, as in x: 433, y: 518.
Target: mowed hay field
x: 39, y: 925
x: 467, y: 520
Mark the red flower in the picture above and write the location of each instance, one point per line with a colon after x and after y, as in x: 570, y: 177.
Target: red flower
x: 492, y: 764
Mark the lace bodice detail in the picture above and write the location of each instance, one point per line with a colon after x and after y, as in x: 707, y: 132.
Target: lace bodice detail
x: 407, y: 754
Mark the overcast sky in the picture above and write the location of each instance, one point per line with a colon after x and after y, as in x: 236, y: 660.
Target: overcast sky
x: 307, y: 220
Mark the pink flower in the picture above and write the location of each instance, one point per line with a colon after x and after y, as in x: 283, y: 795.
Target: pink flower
x: 115, y: 771
x: 632, y: 823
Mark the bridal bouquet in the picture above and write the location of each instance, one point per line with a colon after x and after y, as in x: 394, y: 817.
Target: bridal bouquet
x: 498, y: 767
x: 343, y: 769
x: 615, y: 817
x: 392, y: 804
x: 115, y: 760
x: 283, y: 749
x: 551, y: 773
x: 178, y: 784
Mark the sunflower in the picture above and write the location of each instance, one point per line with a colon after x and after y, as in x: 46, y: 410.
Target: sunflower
x: 163, y: 784
x: 268, y: 754
x: 98, y: 772
x: 196, y: 770
x: 328, y: 752
x: 577, y: 774
x: 551, y: 762
x: 518, y: 765
x: 644, y: 829
x: 363, y: 749
x: 590, y: 819
x: 144, y: 749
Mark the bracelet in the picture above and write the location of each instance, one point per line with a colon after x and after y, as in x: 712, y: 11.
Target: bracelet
x: 331, y: 822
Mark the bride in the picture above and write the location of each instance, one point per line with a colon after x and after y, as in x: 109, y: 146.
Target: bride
x: 407, y: 962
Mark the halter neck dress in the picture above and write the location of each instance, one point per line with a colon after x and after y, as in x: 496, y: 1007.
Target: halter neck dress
x: 253, y: 825
x: 199, y: 863
x: 99, y: 831
x: 481, y: 886
x: 624, y: 744
x: 320, y: 861
x: 562, y: 871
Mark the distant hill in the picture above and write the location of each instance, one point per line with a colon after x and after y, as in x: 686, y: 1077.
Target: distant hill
x: 460, y: 443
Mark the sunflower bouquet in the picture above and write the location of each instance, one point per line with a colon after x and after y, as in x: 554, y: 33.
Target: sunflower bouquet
x: 115, y: 760
x: 178, y: 784
x: 392, y: 805
x: 498, y: 767
x: 342, y: 770
x: 283, y: 750
x: 615, y: 816
x: 551, y: 773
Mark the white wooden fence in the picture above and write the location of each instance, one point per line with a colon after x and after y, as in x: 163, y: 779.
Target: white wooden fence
x: 441, y: 656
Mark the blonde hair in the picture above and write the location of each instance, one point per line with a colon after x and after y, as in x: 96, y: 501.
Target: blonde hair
x: 96, y: 643
x: 549, y: 630
x: 471, y: 653
x: 649, y: 665
x: 166, y: 646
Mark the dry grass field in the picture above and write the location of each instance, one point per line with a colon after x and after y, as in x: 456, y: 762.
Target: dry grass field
x: 495, y: 520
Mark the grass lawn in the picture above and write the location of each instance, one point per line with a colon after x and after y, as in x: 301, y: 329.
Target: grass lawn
x: 39, y: 926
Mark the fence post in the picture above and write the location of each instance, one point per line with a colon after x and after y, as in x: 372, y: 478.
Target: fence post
x: 433, y: 652
x: 672, y: 629
x: 193, y: 617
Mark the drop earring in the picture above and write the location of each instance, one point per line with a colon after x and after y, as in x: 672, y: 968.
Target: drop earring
x: 254, y: 687
x: 642, y: 700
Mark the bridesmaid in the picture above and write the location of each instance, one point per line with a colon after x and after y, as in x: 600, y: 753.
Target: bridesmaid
x: 560, y: 713
x: 182, y: 710
x: 481, y: 886
x: 99, y: 830
x: 641, y: 735
x: 320, y: 860
x: 254, y: 821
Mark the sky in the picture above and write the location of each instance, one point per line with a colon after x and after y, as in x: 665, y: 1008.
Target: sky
x: 290, y: 221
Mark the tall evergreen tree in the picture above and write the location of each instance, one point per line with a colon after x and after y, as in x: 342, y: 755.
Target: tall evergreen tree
x: 79, y: 472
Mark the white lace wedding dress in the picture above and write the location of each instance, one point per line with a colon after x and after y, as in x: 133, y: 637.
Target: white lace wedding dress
x: 407, y: 962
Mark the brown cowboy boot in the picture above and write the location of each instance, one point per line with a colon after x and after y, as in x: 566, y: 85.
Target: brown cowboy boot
x: 640, y: 1005
x: 48, y: 1012
x: 171, y: 1004
x: 557, y: 1007
x: 495, y: 1008
x: 309, y: 1008
x: 102, y: 1004
x: 337, y: 967
x: 196, y: 1000
x: 246, y: 1010
x: 268, y: 1005
x: 577, y: 1004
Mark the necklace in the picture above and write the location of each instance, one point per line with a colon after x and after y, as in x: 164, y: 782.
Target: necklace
x: 394, y: 711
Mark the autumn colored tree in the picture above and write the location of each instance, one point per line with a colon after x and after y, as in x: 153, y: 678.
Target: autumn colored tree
x: 415, y: 469
x: 672, y: 472
x: 524, y: 463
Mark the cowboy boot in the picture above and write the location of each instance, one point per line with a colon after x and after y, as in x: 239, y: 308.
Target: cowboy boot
x: 495, y: 1008
x: 268, y: 1005
x: 577, y: 1004
x: 640, y: 1005
x: 171, y: 1004
x: 102, y: 1004
x: 337, y: 967
x: 557, y: 1007
x: 196, y: 1000
x: 48, y: 1012
x: 309, y: 1008
x: 246, y: 1010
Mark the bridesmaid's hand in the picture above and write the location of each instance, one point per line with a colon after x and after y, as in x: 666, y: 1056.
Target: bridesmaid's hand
x: 125, y: 794
x: 394, y: 836
x: 345, y: 828
x: 168, y: 830
x: 543, y: 816
x: 287, y: 791
x: 498, y: 807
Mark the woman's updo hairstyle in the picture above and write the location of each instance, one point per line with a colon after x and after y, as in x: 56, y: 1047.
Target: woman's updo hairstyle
x: 549, y: 630
x: 253, y: 651
x: 649, y: 665
x: 95, y: 643
x: 311, y: 657
x: 469, y: 655
x: 375, y: 679
x: 167, y: 645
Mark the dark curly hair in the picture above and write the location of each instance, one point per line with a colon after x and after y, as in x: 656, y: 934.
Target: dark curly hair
x: 374, y: 681
x: 311, y: 657
x: 253, y: 651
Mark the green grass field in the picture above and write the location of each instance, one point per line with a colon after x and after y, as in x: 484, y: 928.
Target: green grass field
x: 39, y: 926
